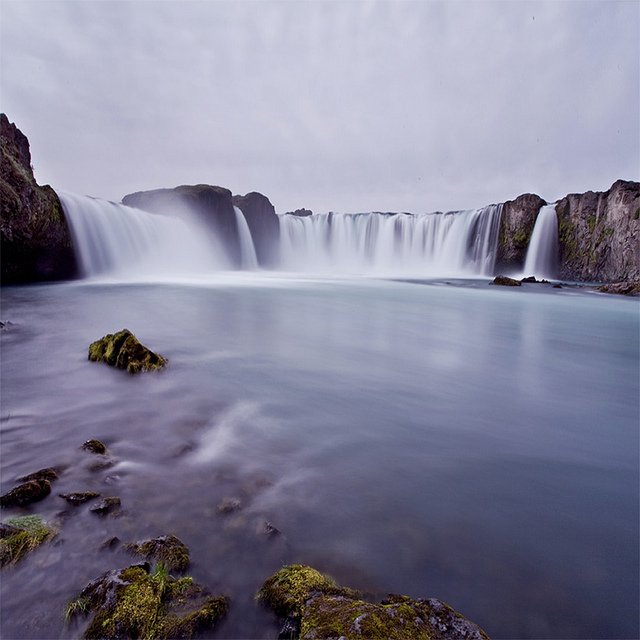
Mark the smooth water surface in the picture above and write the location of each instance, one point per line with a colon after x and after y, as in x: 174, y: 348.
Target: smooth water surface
x: 475, y: 444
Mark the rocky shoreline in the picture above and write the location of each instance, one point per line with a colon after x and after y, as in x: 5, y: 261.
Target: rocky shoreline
x: 599, y: 232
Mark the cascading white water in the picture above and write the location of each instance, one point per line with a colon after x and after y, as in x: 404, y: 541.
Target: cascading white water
x: 542, y: 254
x: 113, y: 239
x: 248, y: 258
x: 458, y: 243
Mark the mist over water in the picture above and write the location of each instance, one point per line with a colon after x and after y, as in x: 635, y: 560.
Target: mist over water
x: 468, y: 443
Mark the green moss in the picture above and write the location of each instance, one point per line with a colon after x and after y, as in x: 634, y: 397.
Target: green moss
x: 637, y: 215
x: 286, y: 591
x: 131, y: 603
x: 30, y: 532
x: 520, y: 239
x: 591, y: 223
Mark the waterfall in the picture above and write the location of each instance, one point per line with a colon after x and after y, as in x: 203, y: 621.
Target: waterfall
x: 542, y: 254
x: 456, y: 243
x: 248, y: 258
x: 114, y: 239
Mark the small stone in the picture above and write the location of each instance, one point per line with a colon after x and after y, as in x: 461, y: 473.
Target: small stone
x: 229, y: 505
x: 78, y: 498
x: 269, y: 530
x: 110, y: 543
x: 107, y: 505
x: 94, y: 446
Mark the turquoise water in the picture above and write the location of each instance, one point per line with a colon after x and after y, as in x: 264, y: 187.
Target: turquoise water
x: 471, y: 443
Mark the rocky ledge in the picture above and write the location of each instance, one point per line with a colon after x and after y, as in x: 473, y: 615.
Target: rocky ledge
x: 34, y: 237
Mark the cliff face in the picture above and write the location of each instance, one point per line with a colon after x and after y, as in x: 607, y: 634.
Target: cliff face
x: 263, y: 224
x: 516, y: 225
x: 211, y: 205
x: 34, y: 237
x: 599, y: 234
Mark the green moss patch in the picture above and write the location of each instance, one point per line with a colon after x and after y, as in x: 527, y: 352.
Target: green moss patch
x: 314, y: 607
x: 124, y: 351
x: 132, y: 603
x: 21, y: 535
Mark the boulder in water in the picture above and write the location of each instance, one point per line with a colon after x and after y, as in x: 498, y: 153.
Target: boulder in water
x: 124, y: 351
x: 133, y: 603
x: 504, y: 281
x: 314, y: 606
x: 169, y: 550
x: 94, y: 446
x: 26, y: 493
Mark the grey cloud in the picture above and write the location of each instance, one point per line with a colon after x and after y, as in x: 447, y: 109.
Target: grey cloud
x: 331, y: 105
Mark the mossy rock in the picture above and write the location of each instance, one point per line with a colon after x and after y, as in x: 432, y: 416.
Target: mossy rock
x: 94, y: 446
x: 124, y: 351
x: 132, y: 603
x: 49, y: 474
x: 314, y: 607
x: 286, y: 591
x: 504, y: 281
x: 19, y: 536
x: 26, y: 493
x: 168, y: 550
x: 79, y: 497
x: 631, y: 288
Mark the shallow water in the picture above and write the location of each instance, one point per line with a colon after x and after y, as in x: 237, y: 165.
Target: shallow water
x: 471, y: 443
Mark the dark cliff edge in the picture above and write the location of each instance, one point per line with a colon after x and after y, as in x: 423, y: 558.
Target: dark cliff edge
x: 263, y: 224
x: 599, y: 234
x: 35, y: 242
x: 516, y: 226
x: 208, y: 204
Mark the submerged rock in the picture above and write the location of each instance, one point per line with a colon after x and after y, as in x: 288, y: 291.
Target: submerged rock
x: 26, y: 493
x: 132, y: 603
x: 106, y: 506
x: 229, y: 505
x: 19, y: 536
x: 124, y: 351
x: 81, y: 497
x: 314, y: 607
x: 504, y: 281
x: 94, y: 446
x: 169, y: 550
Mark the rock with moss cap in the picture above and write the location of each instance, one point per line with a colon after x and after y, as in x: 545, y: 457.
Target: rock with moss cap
x: 505, y: 281
x: 168, y: 550
x: 313, y: 606
x: 631, y: 288
x: 19, y: 536
x: 133, y: 603
x: 124, y: 351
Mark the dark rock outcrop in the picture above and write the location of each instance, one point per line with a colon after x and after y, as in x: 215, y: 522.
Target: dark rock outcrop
x: 504, y: 281
x: 124, y: 351
x: 263, y: 224
x: 599, y: 234
x: 106, y: 506
x: 34, y: 237
x: 26, y: 493
x: 516, y: 225
x: 211, y: 205
x: 312, y: 605
x: 621, y: 288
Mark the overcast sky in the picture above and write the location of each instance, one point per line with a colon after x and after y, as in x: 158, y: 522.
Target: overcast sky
x: 335, y: 105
